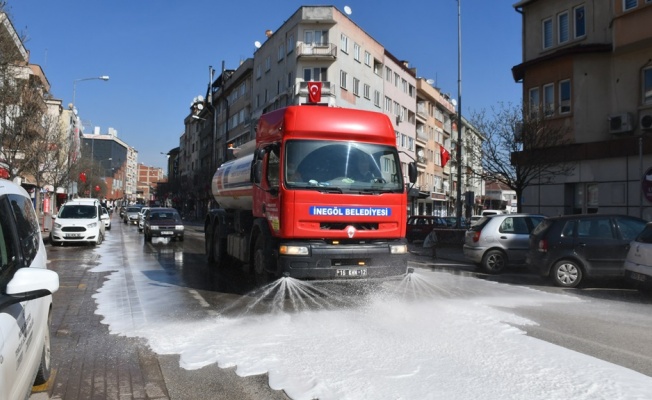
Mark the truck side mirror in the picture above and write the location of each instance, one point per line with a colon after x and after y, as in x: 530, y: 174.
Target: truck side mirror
x: 258, y: 171
x: 412, y: 172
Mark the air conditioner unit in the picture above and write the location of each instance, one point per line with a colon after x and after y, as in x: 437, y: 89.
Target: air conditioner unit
x: 646, y: 122
x: 620, y: 123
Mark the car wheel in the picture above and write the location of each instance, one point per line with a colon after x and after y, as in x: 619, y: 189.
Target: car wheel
x: 43, y: 373
x: 567, y: 273
x: 181, y: 238
x: 99, y: 239
x: 261, y: 263
x: 54, y: 242
x: 494, y: 261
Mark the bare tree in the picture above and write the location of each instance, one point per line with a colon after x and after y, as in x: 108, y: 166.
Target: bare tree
x: 521, y: 146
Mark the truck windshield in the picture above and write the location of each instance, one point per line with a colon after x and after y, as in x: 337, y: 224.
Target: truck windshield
x: 348, y: 166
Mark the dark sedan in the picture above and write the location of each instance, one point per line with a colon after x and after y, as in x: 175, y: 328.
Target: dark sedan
x: 419, y: 226
x: 163, y: 222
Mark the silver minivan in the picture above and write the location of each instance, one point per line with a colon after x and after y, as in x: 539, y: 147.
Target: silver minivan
x: 498, y: 240
x: 26, y: 287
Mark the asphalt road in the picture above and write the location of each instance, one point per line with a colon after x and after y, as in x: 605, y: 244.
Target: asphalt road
x: 612, y: 322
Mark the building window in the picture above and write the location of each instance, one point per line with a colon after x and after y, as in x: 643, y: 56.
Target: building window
x: 356, y: 52
x: 548, y: 100
x: 547, y: 33
x: 535, y: 102
x: 366, y: 91
x: 268, y: 63
x: 356, y: 86
x: 315, y: 74
x: 290, y: 43
x: 342, y: 79
x: 367, y: 58
x: 580, y: 22
x: 388, y: 105
x: 647, y: 85
x: 562, y: 26
x: 629, y: 4
x: 281, y: 52
x: 397, y: 79
x: 376, y: 98
x: 344, y: 44
x: 316, y: 38
x: 565, y: 96
x: 388, y: 74
x: 259, y: 71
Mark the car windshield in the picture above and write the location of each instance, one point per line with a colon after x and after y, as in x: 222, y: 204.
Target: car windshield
x: 342, y: 166
x: 133, y: 209
x: 78, y: 211
x: 164, y: 216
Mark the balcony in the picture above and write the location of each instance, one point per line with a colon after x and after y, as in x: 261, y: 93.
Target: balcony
x: 327, y: 51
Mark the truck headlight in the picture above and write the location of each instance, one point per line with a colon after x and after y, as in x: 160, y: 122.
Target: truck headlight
x: 293, y: 250
x: 398, y: 249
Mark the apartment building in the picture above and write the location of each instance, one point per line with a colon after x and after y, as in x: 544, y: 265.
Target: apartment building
x: 315, y: 44
x: 587, y: 67
x: 434, y: 115
x: 148, y: 180
x: 113, y: 161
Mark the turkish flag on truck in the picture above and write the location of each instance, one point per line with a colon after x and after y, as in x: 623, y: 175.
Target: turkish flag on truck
x: 445, y: 156
x: 314, y: 92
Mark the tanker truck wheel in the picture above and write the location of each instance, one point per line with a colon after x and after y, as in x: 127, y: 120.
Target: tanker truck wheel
x: 216, y: 248
x: 261, y: 263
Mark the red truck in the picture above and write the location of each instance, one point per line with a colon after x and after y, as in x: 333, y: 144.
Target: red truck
x: 319, y: 194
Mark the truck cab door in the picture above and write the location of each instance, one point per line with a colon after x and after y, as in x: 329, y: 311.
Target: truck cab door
x: 270, y: 184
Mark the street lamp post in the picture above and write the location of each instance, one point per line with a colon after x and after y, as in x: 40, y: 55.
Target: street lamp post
x: 73, y: 120
x: 74, y: 85
x: 459, y: 115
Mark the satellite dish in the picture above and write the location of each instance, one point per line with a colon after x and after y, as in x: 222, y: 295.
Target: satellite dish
x: 430, y: 81
x: 200, y: 98
x: 454, y: 102
x: 347, y: 10
x: 257, y: 44
x: 200, y: 106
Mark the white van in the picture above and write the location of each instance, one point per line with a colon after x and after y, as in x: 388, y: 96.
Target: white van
x: 78, y: 220
x: 26, y: 287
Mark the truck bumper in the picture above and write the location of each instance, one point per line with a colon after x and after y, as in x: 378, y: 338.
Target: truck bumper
x: 345, y: 261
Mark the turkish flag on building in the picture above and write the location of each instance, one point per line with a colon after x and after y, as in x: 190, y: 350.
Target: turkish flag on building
x: 445, y: 156
x: 314, y: 92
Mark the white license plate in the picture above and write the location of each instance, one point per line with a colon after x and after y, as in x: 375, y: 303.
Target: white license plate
x: 73, y: 235
x: 167, y: 233
x: 638, y: 277
x: 351, y: 272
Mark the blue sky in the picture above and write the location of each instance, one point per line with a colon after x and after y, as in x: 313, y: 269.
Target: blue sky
x: 157, y: 53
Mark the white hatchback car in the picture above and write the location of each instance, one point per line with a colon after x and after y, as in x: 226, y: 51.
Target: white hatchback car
x: 26, y: 288
x: 78, y: 220
x: 638, y: 264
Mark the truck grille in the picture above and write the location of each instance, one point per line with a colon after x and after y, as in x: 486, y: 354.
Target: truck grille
x: 340, y: 226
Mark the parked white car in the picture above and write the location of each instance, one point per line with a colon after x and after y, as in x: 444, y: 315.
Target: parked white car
x: 638, y: 264
x: 141, y: 218
x: 106, y: 218
x: 26, y: 287
x: 78, y: 220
